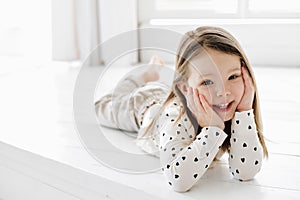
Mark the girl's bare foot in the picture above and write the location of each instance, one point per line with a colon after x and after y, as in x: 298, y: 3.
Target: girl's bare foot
x: 155, y: 65
x: 156, y: 60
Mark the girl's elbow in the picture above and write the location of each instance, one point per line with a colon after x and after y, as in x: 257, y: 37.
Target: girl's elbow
x: 180, y: 184
x: 245, y: 174
x: 181, y: 187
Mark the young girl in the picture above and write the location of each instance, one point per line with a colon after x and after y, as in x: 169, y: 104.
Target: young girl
x: 212, y: 108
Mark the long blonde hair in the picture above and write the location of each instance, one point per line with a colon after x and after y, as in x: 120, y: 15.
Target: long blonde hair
x: 194, y: 42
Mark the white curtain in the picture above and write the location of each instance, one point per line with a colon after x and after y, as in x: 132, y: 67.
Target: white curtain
x: 79, y: 26
x: 87, y: 31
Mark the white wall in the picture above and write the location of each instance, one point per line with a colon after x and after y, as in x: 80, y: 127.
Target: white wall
x: 25, y: 30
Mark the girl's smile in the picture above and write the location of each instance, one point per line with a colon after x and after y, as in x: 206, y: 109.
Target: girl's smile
x: 223, y: 107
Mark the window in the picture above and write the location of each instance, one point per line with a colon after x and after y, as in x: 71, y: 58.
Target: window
x: 218, y: 9
x: 274, y: 9
x: 216, y: 6
x: 267, y: 29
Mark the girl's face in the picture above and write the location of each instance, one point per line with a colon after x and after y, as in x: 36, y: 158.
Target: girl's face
x: 218, y: 77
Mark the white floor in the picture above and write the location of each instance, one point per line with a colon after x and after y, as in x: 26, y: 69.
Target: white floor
x: 41, y: 152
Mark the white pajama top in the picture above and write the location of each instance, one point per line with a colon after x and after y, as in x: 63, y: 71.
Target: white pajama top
x: 185, y: 155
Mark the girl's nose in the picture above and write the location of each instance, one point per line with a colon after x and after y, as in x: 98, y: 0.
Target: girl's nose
x: 222, y: 90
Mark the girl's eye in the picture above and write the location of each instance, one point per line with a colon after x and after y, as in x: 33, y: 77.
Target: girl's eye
x: 233, y: 77
x: 207, y: 82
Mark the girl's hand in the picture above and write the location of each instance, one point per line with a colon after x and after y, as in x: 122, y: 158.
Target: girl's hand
x: 201, y: 110
x: 249, y: 91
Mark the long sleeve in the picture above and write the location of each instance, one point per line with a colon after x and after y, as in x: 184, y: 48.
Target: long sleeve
x: 245, y: 158
x: 184, y: 156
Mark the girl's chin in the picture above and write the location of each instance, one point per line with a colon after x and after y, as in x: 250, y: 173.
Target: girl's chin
x: 226, y: 116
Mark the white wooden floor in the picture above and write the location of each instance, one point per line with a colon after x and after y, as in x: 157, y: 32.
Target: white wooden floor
x: 41, y: 156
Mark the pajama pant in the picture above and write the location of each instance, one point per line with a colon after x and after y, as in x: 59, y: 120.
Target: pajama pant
x: 125, y: 107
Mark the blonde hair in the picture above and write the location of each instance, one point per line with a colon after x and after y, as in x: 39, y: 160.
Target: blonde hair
x: 193, y: 43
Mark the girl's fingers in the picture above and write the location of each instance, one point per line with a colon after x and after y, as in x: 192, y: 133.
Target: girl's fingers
x: 190, y: 100
x: 246, y: 75
x: 248, y: 82
x: 204, y: 103
x: 196, y: 99
x: 193, y: 101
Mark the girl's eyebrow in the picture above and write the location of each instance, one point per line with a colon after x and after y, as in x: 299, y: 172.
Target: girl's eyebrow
x: 200, y: 73
x: 205, y: 74
x: 234, y: 69
x: 229, y: 71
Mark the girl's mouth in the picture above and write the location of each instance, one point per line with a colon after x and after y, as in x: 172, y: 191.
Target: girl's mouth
x: 223, y: 107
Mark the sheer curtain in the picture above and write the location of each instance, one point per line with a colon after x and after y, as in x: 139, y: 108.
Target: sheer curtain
x: 87, y: 31
x: 80, y: 26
